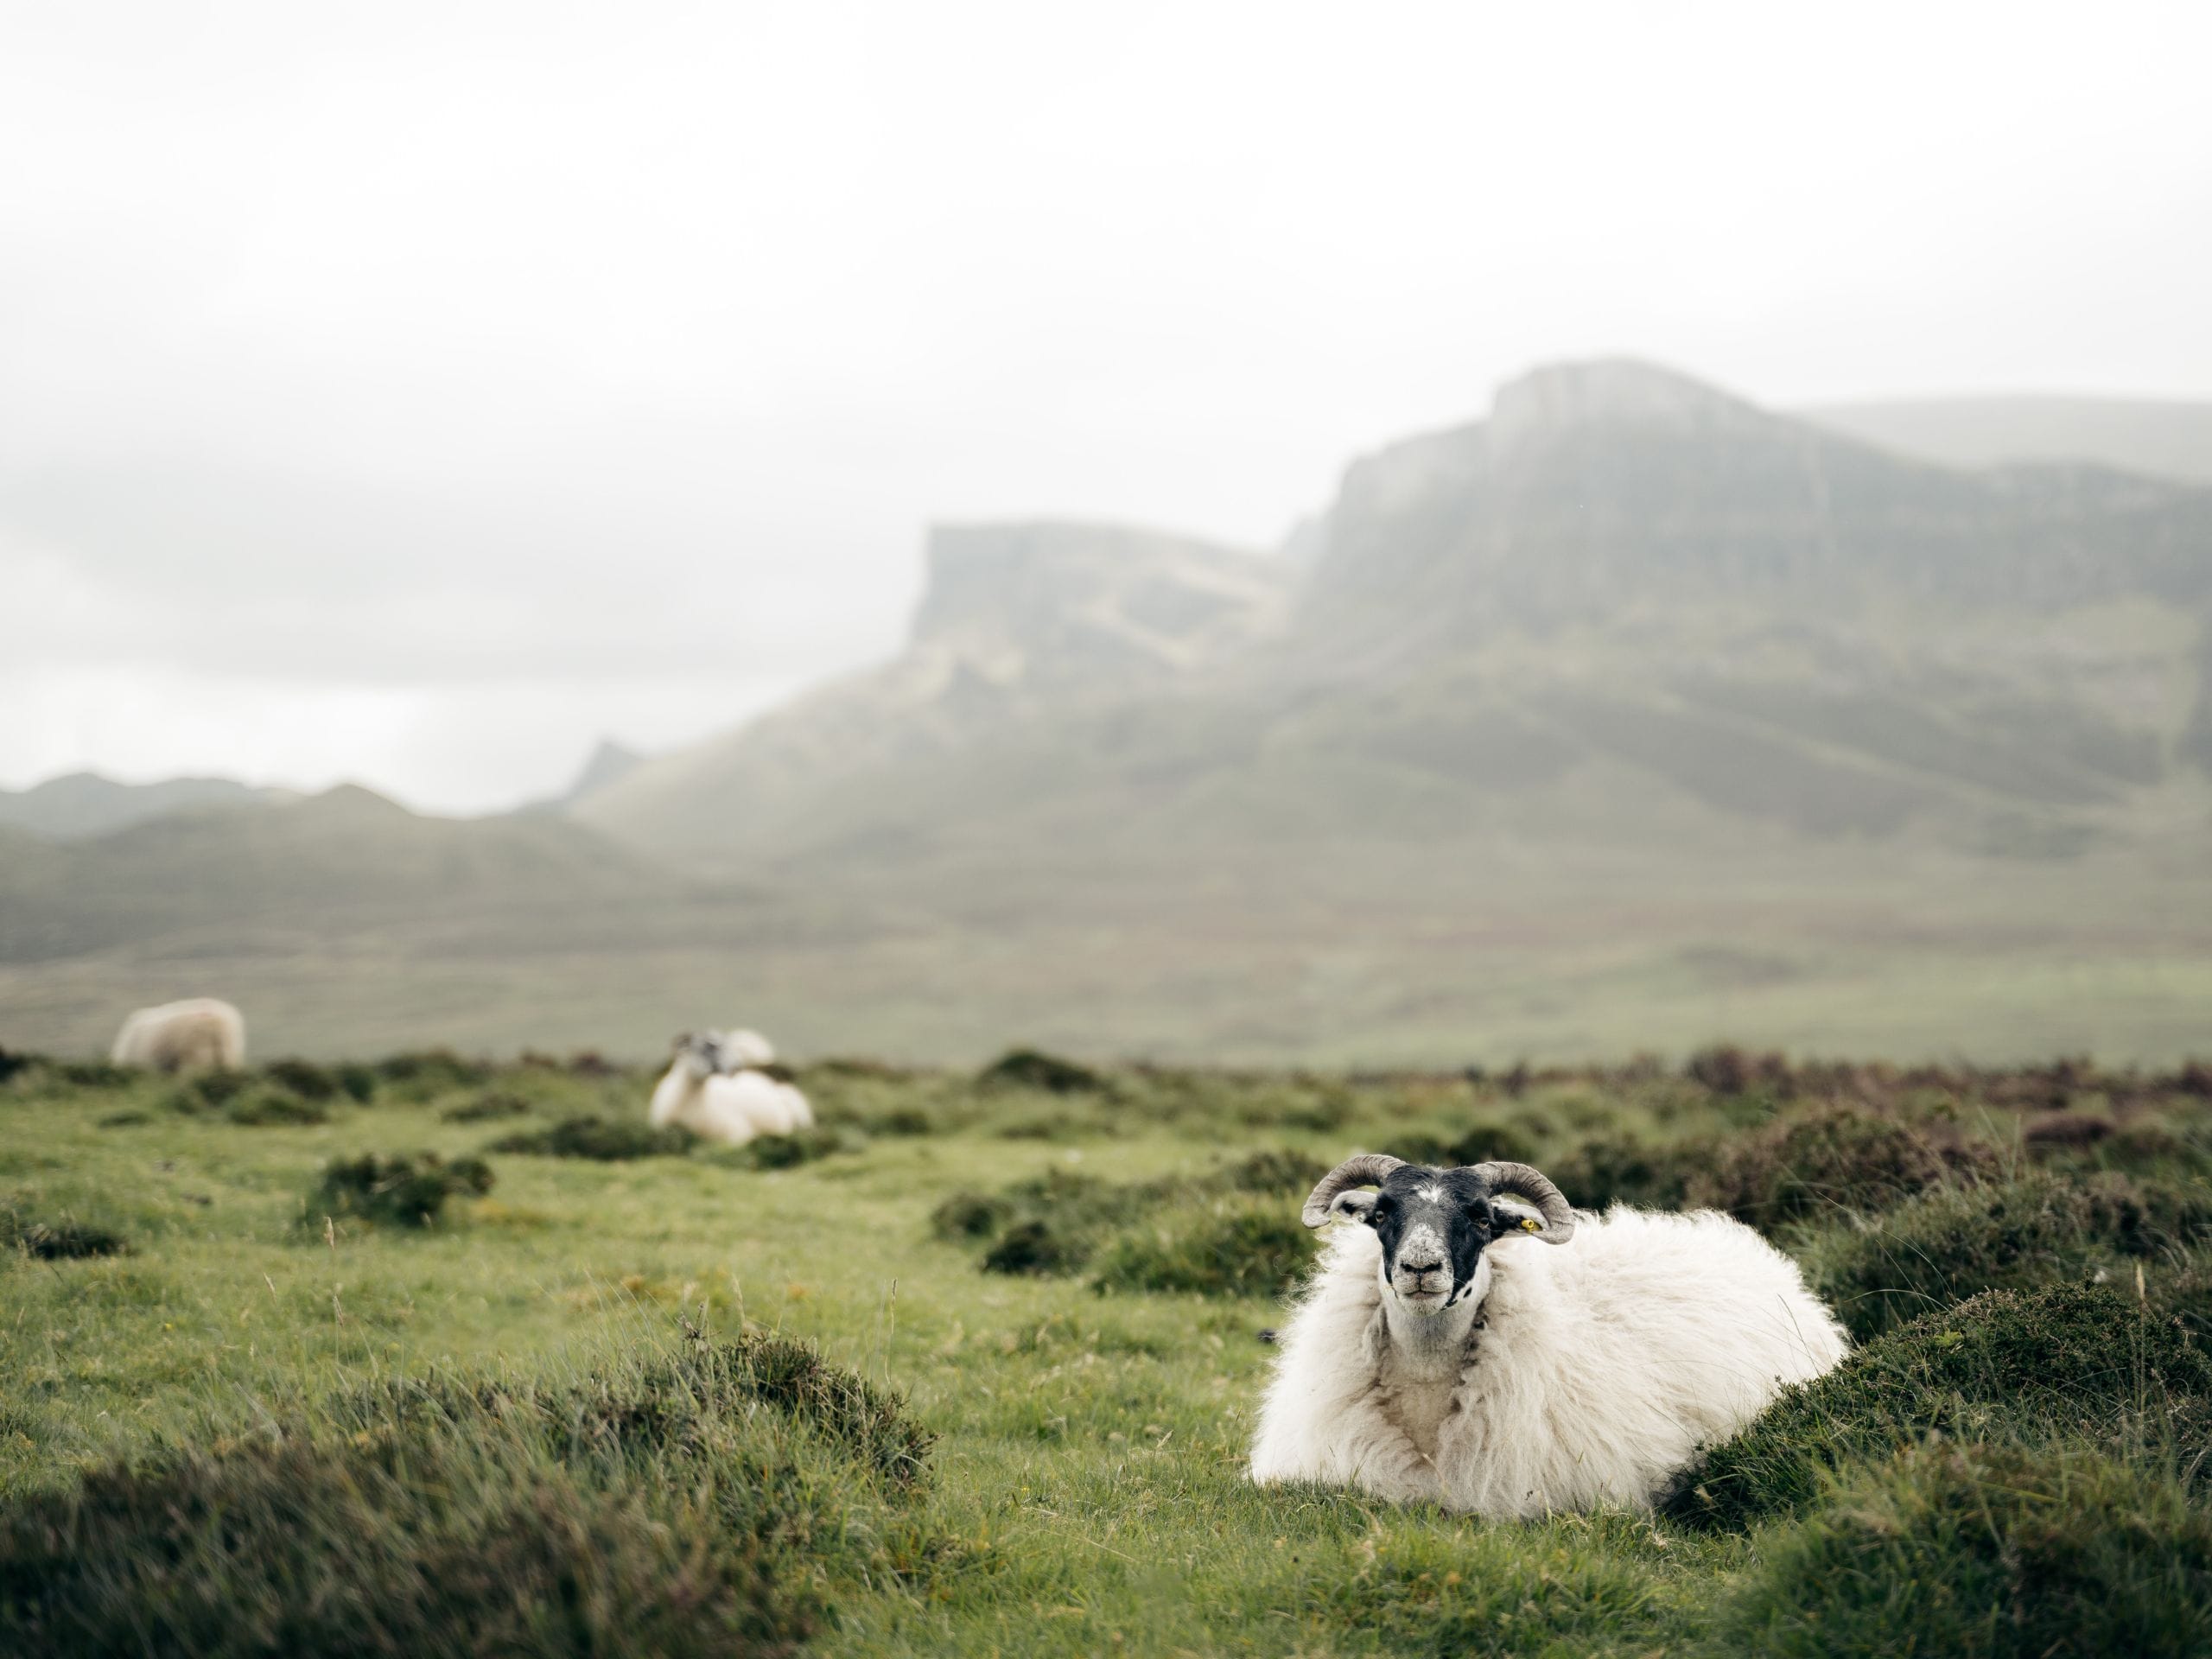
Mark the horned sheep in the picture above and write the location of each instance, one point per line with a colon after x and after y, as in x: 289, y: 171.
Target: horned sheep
x: 199, y: 1032
x: 1470, y: 1341
x: 701, y: 1094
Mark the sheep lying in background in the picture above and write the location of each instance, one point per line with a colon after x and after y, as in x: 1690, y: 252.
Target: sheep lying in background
x: 198, y: 1033
x: 1447, y: 1352
x: 743, y: 1052
x: 700, y: 1094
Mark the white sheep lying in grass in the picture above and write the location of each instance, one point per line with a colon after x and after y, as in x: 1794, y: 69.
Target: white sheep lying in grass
x: 699, y: 1094
x: 199, y: 1032
x: 1446, y: 1352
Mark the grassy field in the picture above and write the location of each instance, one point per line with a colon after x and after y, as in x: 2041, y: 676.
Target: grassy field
x: 972, y: 1370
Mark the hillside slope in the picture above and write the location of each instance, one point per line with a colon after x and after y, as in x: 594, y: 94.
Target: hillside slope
x: 1625, y: 598
x: 85, y: 804
x: 2157, y: 437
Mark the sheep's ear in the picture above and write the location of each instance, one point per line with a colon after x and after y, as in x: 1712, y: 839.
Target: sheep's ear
x: 1354, y: 1206
x: 1514, y: 1216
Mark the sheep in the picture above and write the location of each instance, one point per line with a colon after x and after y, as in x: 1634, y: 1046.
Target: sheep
x: 700, y: 1095
x: 1497, y: 1354
x: 742, y: 1052
x: 199, y: 1032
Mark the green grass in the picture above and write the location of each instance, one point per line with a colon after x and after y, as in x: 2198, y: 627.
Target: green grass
x: 687, y: 1403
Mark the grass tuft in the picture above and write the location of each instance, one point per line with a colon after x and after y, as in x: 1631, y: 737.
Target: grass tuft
x: 1030, y: 1067
x: 654, y: 1508
x: 1243, y: 1250
x: 1832, y: 1160
x: 2039, y: 1230
x: 60, y: 1240
x: 405, y: 1190
x: 488, y: 1107
x: 2083, y: 1358
x: 1985, y: 1552
x: 608, y: 1140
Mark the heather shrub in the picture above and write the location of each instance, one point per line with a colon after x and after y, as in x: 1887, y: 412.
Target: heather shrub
x: 1985, y: 1552
x: 609, y: 1140
x: 2081, y: 1359
x: 693, y: 1506
x: 1232, y: 1250
x: 1830, y: 1160
x: 1030, y: 1067
x: 2038, y: 1229
x: 404, y: 1190
x: 302, y: 1078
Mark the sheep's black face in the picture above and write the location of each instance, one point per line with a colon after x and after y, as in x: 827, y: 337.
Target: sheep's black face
x: 1433, y: 1225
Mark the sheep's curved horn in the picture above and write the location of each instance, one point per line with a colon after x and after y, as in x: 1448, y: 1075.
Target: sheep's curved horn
x: 1361, y: 1169
x: 1551, y: 1203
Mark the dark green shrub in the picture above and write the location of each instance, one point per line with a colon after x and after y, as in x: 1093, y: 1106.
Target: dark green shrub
x: 356, y: 1081
x: 1985, y: 1552
x: 1609, y: 1169
x: 970, y: 1215
x: 60, y: 1240
x: 402, y: 1190
x: 1830, y: 1160
x: 1236, y: 1252
x: 899, y: 1121
x: 122, y: 1119
x: 869, y: 1423
x: 1037, y: 1247
x: 788, y: 1150
x: 1320, y: 1113
x: 209, y: 1091
x: 2078, y: 1357
x: 275, y: 1106
x: 11, y: 1063
x: 304, y: 1077
x: 608, y: 1141
x: 486, y: 1108
x: 1030, y: 1067
x: 430, y: 1071
x: 98, y: 1074
x: 2039, y: 1230
x: 1280, y: 1169
x: 658, y: 1510
x: 1056, y: 1126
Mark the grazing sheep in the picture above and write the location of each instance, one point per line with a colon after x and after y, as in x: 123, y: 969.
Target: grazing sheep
x: 700, y: 1094
x: 198, y: 1033
x: 1446, y: 1352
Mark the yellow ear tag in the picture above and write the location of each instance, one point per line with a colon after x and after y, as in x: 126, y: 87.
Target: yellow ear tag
x: 1528, y: 1225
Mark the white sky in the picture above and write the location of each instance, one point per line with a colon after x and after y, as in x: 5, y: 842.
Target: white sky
x: 413, y: 392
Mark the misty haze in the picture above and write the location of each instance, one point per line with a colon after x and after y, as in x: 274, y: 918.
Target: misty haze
x: 1160, y: 829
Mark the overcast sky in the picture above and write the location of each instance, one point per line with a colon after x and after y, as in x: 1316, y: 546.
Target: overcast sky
x: 413, y: 393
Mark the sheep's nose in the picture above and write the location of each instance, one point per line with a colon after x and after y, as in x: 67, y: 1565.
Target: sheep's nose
x: 1420, y: 1268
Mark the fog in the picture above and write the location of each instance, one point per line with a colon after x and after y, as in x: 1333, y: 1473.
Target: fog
x: 414, y: 393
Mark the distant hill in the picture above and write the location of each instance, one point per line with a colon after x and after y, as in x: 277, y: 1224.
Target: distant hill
x: 1629, y: 715
x: 85, y: 803
x: 2159, y: 437
x: 1625, y: 597
x: 1021, y: 626
x: 309, y: 869
x: 608, y: 763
